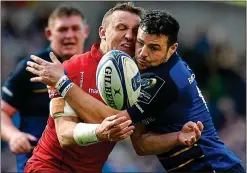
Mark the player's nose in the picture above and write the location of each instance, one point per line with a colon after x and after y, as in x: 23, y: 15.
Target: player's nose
x: 130, y: 35
x: 144, y: 52
x: 70, y: 33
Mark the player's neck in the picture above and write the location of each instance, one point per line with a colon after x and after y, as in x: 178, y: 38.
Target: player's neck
x: 102, y: 47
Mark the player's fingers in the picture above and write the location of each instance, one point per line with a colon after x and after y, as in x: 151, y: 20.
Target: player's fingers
x: 117, y: 121
x: 36, y: 79
x: 200, y: 125
x: 197, y: 132
x: 33, y: 70
x: 193, y: 140
x: 190, y: 125
x: 126, y: 135
x: 110, y: 118
x: 15, y: 149
x: 34, y: 65
x: 118, y: 133
x: 39, y: 60
x: 22, y: 145
x: 124, y: 124
x: 25, y: 143
x: 31, y: 137
x: 54, y: 58
x: 187, y: 142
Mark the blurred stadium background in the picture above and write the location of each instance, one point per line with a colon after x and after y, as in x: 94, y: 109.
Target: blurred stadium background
x: 212, y: 40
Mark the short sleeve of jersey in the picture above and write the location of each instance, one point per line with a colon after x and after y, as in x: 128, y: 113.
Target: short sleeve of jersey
x: 157, y: 93
x: 17, y: 85
x: 71, y: 66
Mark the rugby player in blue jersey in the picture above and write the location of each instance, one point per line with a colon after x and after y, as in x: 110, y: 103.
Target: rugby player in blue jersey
x: 173, y: 99
x: 67, y: 32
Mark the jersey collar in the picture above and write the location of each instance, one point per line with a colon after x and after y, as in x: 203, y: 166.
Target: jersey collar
x: 95, y: 53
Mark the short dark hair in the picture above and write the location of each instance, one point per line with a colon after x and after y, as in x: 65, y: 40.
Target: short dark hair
x: 64, y: 10
x: 160, y: 22
x: 126, y: 6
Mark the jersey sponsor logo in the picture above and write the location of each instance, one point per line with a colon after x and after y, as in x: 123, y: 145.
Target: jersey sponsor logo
x: 148, y: 120
x: 150, y: 86
x: 191, y: 78
x: 148, y: 83
x: 81, y: 78
x: 93, y: 91
x: 139, y: 107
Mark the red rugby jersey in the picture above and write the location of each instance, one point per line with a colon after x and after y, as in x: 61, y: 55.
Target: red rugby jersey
x: 81, y: 69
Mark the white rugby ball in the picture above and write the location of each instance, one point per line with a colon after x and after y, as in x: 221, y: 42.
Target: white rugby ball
x: 118, y: 80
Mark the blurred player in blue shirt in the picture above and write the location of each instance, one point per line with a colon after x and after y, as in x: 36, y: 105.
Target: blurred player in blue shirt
x: 67, y: 32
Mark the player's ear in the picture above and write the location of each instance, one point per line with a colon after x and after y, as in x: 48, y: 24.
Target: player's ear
x: 102, y: 32
x: 48, y: 33
x: 172, y: 49
x: 86, y: 31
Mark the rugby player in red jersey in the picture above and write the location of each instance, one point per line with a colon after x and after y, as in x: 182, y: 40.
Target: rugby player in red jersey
x: 118, y: 31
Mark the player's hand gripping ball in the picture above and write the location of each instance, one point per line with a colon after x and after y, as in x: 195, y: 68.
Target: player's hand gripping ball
x: 118, y: 80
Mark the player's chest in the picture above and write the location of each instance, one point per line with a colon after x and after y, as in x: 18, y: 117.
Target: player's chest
x: 86, y: 80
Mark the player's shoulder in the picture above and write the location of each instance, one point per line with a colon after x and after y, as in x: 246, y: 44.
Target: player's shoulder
x: 44, y: 54
x: 76, y: 60
x: 180, y: 72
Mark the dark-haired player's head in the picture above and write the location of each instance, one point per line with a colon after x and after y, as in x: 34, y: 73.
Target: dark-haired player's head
x: 67, y: 31
x: 119, y: 28
x: 156, y: 39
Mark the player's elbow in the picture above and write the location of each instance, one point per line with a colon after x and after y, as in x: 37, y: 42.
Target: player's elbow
x: 141, y: 149
x: 64, y: 140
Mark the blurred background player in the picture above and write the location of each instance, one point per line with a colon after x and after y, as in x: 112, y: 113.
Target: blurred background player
x: 67, y: 31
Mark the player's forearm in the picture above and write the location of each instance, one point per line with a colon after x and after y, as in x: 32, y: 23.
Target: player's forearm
x: 7, y: 126
x: 152, y: 143
x: 88, y: 108
x: 64, y: 129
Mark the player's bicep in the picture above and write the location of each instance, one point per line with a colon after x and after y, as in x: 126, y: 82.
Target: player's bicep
x: 7, y: 108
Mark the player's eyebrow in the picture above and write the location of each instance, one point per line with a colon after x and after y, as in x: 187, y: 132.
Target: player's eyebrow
x: 154, y: 45
x: 140, y: 40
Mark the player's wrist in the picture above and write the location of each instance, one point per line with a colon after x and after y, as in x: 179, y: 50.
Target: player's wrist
x: 85, y: 134
x: 179, y: 142
x: 63, y: 85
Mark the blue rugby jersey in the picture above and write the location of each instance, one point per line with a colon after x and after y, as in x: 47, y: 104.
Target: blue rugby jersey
x: 170, y: 98
x: 30, y: 99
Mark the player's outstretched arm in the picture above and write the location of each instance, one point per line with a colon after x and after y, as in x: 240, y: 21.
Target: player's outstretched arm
x: 149, y: 143
x: 87, y: 107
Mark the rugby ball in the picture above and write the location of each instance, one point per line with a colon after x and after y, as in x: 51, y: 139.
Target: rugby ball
x: 118, y: 80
